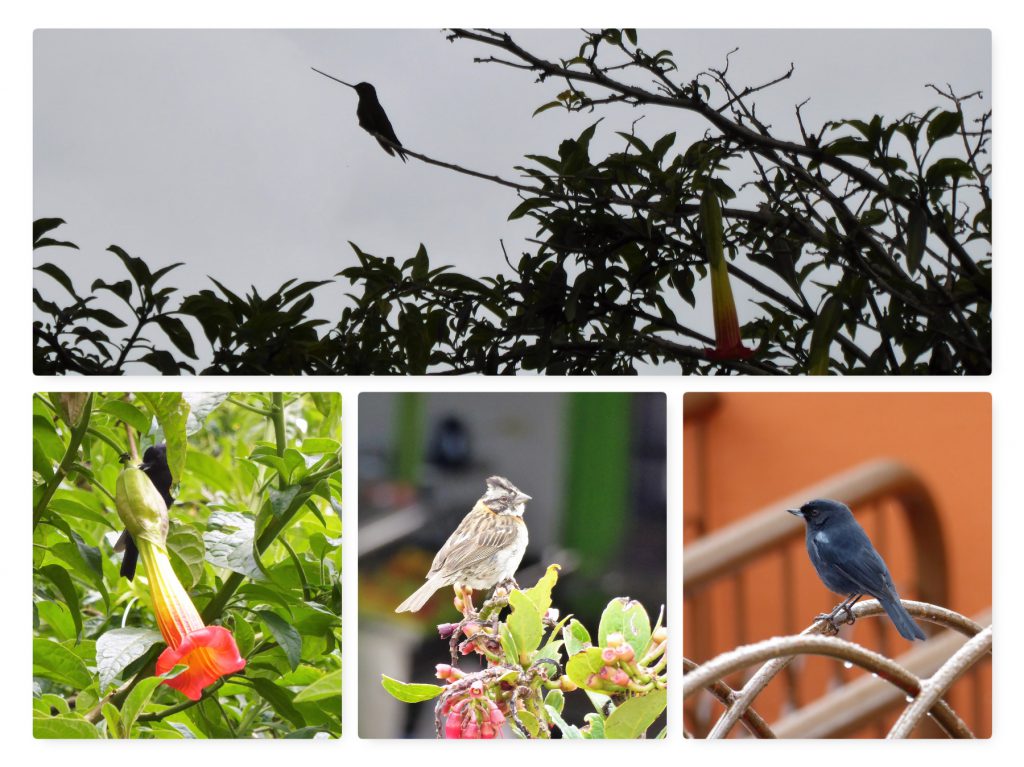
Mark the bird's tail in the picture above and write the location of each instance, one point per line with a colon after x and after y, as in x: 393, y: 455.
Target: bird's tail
x: 420, y: 596
x: 131, y: 554
x: 906, y: 625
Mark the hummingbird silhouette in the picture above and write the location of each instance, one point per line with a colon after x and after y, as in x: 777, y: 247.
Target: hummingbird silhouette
x: 372, y: 117
x: 154, y: 464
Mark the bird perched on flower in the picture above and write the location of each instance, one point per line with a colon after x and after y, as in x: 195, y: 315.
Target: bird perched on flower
x: 848, y: 564
x: 485, y: 549
x: 154, y: 464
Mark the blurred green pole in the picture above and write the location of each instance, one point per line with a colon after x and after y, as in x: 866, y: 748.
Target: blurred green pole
x: 597, y: 475
x: 409, y: 437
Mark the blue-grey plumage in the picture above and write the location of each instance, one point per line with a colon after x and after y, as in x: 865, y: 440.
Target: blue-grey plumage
x: 847, y: 562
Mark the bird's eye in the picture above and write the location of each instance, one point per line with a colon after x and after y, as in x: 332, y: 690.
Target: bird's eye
x: 812, y: 512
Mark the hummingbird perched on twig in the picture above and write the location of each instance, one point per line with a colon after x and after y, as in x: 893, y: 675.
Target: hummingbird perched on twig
x: 372, y: 117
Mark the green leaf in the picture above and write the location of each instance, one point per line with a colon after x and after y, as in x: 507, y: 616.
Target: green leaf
x: 917, y: 237
x: 525, y: 623
x: 632, y: 717
x: 63, y: 727
x: 317, y: 445
x: 287, y: 637
x: 279, y: 699
x: 200, y: 405
x: 327, y: 686
x: 569, y: 731
x: 576, y: 637
x: 826, y: 325
x: 131, y: 415
x: 583, y: 664
x: 117, y: 649
x: 943, y: 124
x: 230, y: 544
x: 171, y: 411
x: 540, y: 594
x: 113, y: 719
x: 136, y: 702
x: 410, y: 693
x: 629, y: 618
x: 188, y: 553
x: 60, y: 578
x: 58, y: 663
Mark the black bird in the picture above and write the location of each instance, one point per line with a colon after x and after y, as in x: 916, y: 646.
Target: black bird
x: 154, y: 464
x: 372, y: 117
x: 848, y: 564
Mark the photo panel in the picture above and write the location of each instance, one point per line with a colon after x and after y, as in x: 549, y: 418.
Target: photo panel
x: 824, y: 621
x: 512, y: 565
x: 538, y: 201
x: 186, y: 555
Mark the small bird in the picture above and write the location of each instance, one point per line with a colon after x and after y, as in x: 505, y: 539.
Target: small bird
x: 154, y: 464
x: 485, y: 549
x: 848, y: 564
x: 372, y: 117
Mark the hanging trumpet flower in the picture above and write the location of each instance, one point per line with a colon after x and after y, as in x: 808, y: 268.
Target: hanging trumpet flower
x: 728, y: 342
x: 208, y: 652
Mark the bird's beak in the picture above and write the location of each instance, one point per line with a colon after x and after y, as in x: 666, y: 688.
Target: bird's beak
x: 523, y: 498
x: 795, y: 512
x: 350, y: 85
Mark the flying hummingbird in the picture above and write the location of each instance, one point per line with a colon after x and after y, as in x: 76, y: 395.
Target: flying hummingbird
x: 372, y: 117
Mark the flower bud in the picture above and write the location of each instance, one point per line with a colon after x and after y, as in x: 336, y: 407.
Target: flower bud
x: 443, y: 671
x: 471, y: 730
x: 615, y: 639
x: 625, y: 653
x: 565, y: 684
x: 609, y: 656
x: 496, y: 717
x: 445, y: 630
x: 488, y: 731
x: 453, y: 726
x: 659, y: 636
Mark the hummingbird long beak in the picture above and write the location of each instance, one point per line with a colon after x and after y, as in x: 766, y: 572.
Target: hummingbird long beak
x: 333, y: 78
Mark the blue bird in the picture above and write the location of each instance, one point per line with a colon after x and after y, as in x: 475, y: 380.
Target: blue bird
x: 848, y: 564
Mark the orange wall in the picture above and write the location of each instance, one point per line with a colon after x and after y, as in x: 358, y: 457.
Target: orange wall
x: 761, y: 447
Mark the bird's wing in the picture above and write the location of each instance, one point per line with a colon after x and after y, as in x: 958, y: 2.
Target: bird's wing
x: 466, y: 547
x: 861, y: 564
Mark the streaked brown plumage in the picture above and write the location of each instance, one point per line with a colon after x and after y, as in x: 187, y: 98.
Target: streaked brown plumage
x: 485, y: 549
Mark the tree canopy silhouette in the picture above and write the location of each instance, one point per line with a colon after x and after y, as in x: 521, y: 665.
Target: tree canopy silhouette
x: 863, y: 246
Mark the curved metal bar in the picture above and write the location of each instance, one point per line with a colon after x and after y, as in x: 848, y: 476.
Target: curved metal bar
x: 725, y: 695
x: 935, y: 687
x: 745, y: 697
x: 785, y: 648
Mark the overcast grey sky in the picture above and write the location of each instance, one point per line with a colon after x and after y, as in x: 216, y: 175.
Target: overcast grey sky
x: 222, y: 149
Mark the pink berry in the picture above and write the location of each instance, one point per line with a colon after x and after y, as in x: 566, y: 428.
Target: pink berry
x: 625, y: 653
x: 608, y: 655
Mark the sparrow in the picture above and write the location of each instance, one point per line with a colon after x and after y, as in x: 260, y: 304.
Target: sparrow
x: 485, y: 549
x: 848, y: 564
x: 154, y: 463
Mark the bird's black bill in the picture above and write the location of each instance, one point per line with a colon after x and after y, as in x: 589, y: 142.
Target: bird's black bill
x: 795, y: 512
x: 332, y: 77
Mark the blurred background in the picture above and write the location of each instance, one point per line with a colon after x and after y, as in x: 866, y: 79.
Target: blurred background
x: 917, y: 471
x: 594, y: 464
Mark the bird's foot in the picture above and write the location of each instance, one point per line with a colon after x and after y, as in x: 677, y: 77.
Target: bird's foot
x: 830, y: 622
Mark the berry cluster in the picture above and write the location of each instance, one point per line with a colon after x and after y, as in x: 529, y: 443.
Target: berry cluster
x: 622, y: 670
x: 472, y: 716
